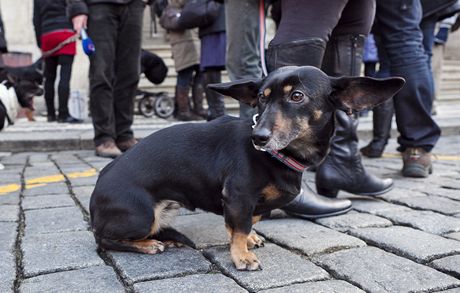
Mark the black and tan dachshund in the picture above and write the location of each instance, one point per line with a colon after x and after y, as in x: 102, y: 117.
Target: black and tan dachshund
x: 228, y: 166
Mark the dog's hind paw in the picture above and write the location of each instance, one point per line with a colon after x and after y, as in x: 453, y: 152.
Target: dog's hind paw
x: 247, y: 262
x: 150, y: 246
x: 255, y: 241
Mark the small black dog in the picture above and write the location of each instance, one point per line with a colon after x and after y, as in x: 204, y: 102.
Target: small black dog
x: 228, y: 166
x: 18, y: 86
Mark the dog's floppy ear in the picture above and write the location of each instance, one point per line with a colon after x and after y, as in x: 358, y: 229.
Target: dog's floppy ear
x: 244, y: 90
x: 359, y: 93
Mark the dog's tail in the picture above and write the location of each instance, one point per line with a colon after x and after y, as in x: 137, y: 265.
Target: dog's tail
x: 170, y: 234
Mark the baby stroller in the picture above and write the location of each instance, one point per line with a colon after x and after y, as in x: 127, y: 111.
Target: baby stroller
x: 149, y: 103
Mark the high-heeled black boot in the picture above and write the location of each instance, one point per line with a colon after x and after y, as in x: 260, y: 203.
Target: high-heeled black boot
x: 381, y: 121
x: 305, y: 52
x: 342, y: 169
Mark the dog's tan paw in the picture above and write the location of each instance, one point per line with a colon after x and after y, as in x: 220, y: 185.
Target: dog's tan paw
x: 170, y: 243
x: 150, y: 246
x: 246, y: 261
x: 255, y: 241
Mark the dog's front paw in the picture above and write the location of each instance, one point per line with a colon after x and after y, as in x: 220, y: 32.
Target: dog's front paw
x: 246, y: 261
x: 149, y: 246
x: 255, y: 240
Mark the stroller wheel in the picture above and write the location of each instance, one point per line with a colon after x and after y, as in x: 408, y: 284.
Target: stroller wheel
x: 146, y: 105
x: 164, y: 106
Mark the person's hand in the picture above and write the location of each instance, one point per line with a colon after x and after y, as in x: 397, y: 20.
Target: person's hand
x: 79, y: 22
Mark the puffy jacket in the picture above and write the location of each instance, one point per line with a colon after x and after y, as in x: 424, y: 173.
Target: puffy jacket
x: 49, y: 15
x: 77, y: 7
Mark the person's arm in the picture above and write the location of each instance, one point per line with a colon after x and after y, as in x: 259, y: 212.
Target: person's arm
x: 37, y: 20
x: 77, y: 10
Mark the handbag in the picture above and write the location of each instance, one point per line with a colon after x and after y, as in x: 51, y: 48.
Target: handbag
x: 169, y: 19
x: 199, y: 13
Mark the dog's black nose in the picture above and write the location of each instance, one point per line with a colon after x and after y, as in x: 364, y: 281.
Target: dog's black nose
x: 260, y: 137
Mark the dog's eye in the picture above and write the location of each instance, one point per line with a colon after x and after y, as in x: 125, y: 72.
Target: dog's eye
x: 297, y: 96
x: 262, y: 97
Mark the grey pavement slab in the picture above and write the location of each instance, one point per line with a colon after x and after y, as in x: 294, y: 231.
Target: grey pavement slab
x: 15, y: 159
x: 136, y: 267
x: 280, y: 267
x: 398, y: 193
x: 83, y: 194
x: 9, y: 213
x: 455, y: 236
x: 373, y: 206
x: 329, y: 286
x: 375, y: 270
x: 445, y: 192
x: 47, y: 201
x: 47, y: 253
x: 46, y: 189
x: 305, y: 236
x: 54, y: 220
x: 449, y: 265
x: 97, y: 279
x: 353, y: 221
x: 427, y: 221
x: 409, y: 243
x: 10, y: 198
x: 7, y: 235
x: 215, y: 283
x: 37, y: 173
x: 7, y: 271
x: 433, y: 203
x: 205, y: 229
x: 83, y: 181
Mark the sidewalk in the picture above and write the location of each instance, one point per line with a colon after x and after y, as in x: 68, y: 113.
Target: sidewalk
x: 407, y: 240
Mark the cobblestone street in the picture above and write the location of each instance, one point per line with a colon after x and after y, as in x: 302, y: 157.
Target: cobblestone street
x: 407, y: 240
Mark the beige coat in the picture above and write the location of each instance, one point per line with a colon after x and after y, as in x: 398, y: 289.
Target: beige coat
x: 185, y: 45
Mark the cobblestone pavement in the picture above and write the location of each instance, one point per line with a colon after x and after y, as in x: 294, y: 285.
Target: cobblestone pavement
x: 407, y: 240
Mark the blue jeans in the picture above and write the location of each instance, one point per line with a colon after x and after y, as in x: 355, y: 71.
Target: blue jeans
x: 403, y: 42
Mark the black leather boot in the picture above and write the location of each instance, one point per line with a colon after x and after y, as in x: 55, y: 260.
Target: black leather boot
x: 342, y: 169
x: 381, y: 121
x: 198, y: 96
x: 301, y: 53
x: 216, y: 104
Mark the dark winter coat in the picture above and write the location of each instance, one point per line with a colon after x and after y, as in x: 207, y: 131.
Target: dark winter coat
x: 50, y: 15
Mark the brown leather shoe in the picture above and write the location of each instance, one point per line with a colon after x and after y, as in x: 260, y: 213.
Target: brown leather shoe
x: 416, y: 163
x: 108, y: 150
x: 127, y: 144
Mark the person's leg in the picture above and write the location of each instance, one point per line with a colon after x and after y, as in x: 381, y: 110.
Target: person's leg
x: 103, y: 28
x: 243, y: 56
x: 402, y: 39
x: 198, y: 93
x: 215, y: 100
x: 184, y: 80
x: 427, y: 27
x: 127, y: 70
x: 306, y: 50
x: 51, y: 64
x: 65, y: 63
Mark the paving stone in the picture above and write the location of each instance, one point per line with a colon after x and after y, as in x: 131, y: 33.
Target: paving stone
x: 47, y: 253
x: 424, y: 220
x: 38, y: 157
x: 83, y: 181
x: 449, y: 265
x: 10, y: 198
x: 10, y: 177
x: 352, y: 221
x: 432, y: 203
x: 455, y: 236
x: 47, y: 201
x: 40, y: 174
x: 373, y: 206
x: 375, y: 270
x: 306, y: 236
x: 401, y: 241
x: 75, y: 168
x: 454, y: 290
x: 46, y: 189
x: 136, y: 267
x: 7, y: 271
x: 204, y: 229
x: 16, y: 159
x: 93, y: 279
x: 215, y: 283
x: 7, y: 235
x: 83, y: 194
x: 329, y: 286
x: 280, y: 267
x: 54, y: 220
x: 397, y: 193
x: 9, y: 213
x: 445, y: 192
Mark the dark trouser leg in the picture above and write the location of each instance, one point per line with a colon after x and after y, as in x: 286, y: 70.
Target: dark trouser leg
x: 215, y: 100
x: 65, y: 62
x: 103, y: 28
x: 342, y: 169
x: 51, y: 64
x: 198, y: 94
x: 127, y: 68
